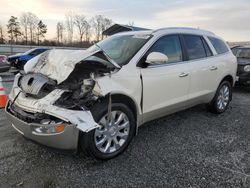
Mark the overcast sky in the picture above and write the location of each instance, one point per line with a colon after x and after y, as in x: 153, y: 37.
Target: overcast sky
x: 228, y: 18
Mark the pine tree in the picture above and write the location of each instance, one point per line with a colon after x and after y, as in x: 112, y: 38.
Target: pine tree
x: 13, y: 29
x: 41, y: 30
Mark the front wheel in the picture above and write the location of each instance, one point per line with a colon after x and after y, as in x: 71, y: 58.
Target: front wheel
x: 222, y: 98
x: 114, y: 134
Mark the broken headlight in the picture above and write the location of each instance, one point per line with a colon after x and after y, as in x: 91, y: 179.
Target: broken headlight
x: 48, y: 127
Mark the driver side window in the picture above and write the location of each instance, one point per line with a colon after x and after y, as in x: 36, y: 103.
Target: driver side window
x: 169, y: 45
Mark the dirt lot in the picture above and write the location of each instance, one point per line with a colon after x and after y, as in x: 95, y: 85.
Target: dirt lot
x: 192, y: 148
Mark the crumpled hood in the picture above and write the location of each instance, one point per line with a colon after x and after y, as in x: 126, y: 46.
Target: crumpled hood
x: 57, y: 64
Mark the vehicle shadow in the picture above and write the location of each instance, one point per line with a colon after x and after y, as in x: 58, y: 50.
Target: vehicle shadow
x: 242, y: 88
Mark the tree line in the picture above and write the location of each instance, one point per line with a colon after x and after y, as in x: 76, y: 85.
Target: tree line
x: 75, y: 30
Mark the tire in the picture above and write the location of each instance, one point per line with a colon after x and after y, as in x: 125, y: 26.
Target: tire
x: 88, y: 141
x: 222, y: 98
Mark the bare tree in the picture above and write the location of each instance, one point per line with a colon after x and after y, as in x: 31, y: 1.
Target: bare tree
x: 106, y: 23
x: 131, y: 23
x: 1, y: 34
x: 87, y: 31
x: 24, y: 21
x: 99, y: 24
x: 80, y: 23
x: 59, y: 32
x: 70, y: 26
x: 32, y: 25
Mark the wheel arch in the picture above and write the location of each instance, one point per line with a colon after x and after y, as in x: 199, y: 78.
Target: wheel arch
x: 125, y: 99
x: 228, y: 78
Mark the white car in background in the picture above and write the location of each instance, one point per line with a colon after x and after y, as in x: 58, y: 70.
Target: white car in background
x: 99, y: 97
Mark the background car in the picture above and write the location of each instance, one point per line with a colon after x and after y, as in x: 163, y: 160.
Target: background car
x: 243, y: 58
x: 4, y: 65
x: 19, y: 60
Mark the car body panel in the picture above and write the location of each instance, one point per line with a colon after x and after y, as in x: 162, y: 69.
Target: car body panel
x: 172, y: 90
x: 67, y: 140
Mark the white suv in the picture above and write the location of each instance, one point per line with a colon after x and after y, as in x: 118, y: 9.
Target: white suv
x: 97, y: 98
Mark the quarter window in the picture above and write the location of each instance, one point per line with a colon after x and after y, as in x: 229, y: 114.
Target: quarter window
x: 170, y: 46
x: 219, y: 45
x: 195, y: 47
x: 207, y: 49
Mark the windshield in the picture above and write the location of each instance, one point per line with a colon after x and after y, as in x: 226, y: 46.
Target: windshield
x: 121, y: 48
x: 243, y: 53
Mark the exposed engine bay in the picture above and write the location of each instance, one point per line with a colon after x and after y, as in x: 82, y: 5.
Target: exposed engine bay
x: 78, y: 87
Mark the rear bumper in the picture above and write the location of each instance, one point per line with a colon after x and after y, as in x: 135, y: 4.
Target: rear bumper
x: 66, y: 140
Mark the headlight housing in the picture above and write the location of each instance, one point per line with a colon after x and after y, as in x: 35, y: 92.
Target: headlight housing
x: 48, y: 128
x: 247, y: 68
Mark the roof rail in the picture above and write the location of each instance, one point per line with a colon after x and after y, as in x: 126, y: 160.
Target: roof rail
x: 186, y: 28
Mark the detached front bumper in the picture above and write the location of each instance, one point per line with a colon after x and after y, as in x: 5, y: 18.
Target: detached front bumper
x: 66, y: 140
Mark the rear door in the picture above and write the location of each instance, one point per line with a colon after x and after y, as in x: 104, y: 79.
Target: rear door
x: 203, y: 68
x: 165, y: 86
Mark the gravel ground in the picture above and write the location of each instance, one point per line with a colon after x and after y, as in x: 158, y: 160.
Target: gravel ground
x: 192, y: 148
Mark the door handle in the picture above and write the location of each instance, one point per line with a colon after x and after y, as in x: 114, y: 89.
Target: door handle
x: 212, y: 68
x: 183, y: 75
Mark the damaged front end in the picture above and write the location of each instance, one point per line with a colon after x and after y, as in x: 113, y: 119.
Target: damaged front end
x: 56, y: 100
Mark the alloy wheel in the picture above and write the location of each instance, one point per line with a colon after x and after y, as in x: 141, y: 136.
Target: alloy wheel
x: 112, y: 133
x: 223, y: 97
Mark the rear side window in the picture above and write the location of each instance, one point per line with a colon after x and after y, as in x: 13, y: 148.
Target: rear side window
x: 195, y: 47
x: 219, y: 45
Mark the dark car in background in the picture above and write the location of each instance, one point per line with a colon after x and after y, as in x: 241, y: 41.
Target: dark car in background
x: 4, y: 65
x: 19, y: 60
x: 243, y: 58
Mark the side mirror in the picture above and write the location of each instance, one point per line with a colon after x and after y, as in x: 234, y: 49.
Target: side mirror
x: 156, y: 58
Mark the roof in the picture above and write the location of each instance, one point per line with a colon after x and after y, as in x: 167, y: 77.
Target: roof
x: 116, y: 28
x: 172, y: 30
x: 184, y: 30
x: 242, y: 47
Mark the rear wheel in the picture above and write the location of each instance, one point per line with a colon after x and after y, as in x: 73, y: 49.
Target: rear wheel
x: 222, y: 98
x: 114, y: 134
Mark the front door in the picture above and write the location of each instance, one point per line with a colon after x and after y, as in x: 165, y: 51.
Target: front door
x: 165, y: 86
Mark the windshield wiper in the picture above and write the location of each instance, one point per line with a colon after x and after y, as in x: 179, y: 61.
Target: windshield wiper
x: 107, y: 56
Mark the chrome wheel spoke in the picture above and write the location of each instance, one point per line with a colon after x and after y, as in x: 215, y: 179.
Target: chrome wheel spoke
x: 124, y: 125
x: 119, y: 119
x: 116, y: 143
x: 101, y: 142
x: 123, y: 135
x: 107, y: 146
